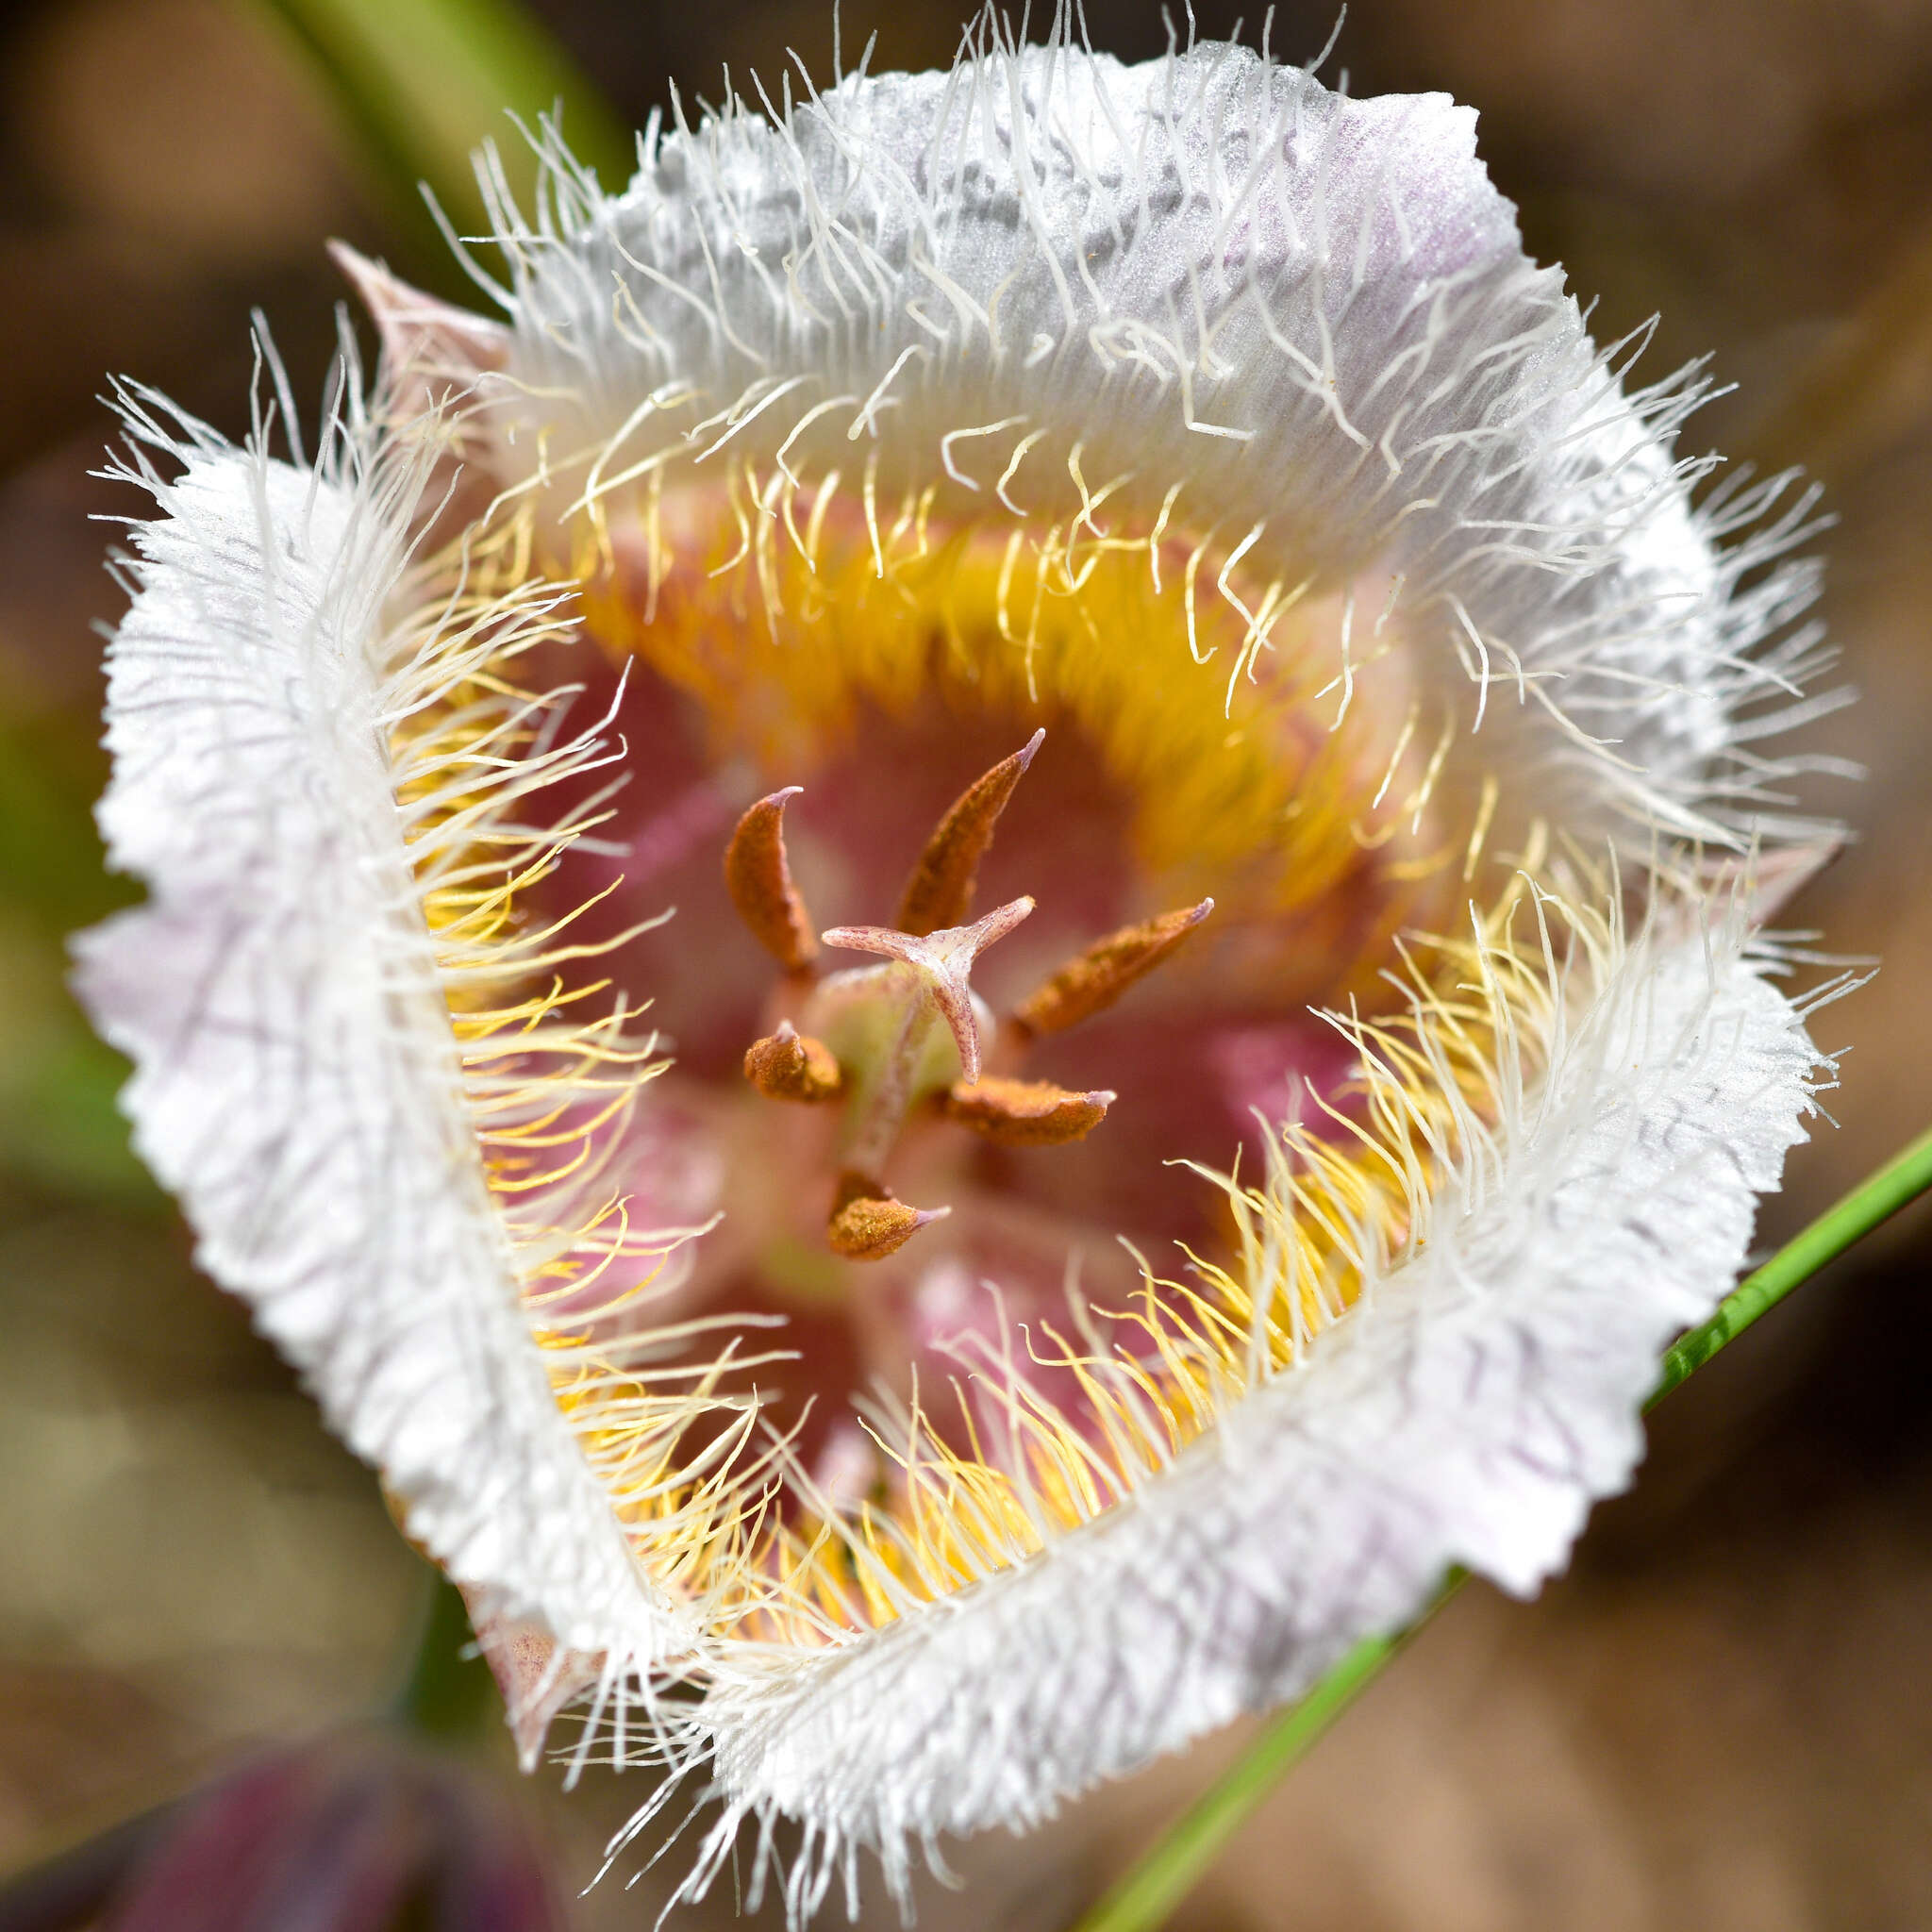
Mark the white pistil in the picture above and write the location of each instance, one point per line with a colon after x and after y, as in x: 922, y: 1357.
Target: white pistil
x: 883, y: 1022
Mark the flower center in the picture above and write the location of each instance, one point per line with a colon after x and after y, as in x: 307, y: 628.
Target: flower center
x: 971, y: 1255
x: 889, y: 1039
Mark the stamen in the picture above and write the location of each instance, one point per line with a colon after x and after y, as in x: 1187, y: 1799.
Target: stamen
x: 789, y: 1065
x: 878, y: 1036
x: 867, y: 1223
x: 1092, y: 982
x: 940, y: 892
x: 1025, y: 1113
x: 759, y: 881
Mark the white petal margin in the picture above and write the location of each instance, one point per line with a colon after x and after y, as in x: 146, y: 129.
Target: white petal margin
x: 1484, y: 1393
x: 1313, y: 313
x: 297, y: 1082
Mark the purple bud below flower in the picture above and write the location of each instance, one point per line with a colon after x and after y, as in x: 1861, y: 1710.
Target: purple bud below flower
x: 359, y: 1833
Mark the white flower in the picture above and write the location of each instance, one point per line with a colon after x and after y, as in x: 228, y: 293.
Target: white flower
x: 1216, y: 424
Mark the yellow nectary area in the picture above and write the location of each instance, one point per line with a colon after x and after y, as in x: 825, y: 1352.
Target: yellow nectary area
x: 1273, y: 752
x: 1268, y: 737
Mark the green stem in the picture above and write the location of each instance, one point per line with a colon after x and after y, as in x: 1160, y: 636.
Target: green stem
x: 1875, y: 1199
x: 1151, y: 1889
x: 1155, y: 1886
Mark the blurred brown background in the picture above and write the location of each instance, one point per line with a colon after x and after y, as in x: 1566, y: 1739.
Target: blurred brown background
x: 1721, y: 1720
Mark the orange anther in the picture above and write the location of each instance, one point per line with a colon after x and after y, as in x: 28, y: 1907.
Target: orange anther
x: 867, y: 1223
x: 789, y: 1065
x: 1025, y: 1113
x: 1092, y: 982
x: 940, y: 892
x: 759, y: 881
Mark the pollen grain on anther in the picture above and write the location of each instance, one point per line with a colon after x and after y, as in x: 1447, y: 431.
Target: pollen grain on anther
x: 760, y: 880
x: 789, y: 1065
x: 867, y: 1223
x: 1025, y: 1113
x: 940, y: 892
x: 1092, y: 981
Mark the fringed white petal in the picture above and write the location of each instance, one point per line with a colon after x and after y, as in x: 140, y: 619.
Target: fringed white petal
x: 1315, y: 317
x: 1470, y: 1410
x: 297, y: 1082
x: 1045, y: 272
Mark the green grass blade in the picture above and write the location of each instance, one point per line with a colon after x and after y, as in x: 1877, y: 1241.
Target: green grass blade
x: 1875, y: 1199
x: 1151, y: 1889
x: 1159, y: 1883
